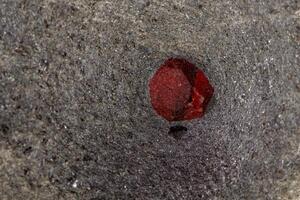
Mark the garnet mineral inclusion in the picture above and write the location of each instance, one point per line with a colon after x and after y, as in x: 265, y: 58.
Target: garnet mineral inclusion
x: 179, y: 90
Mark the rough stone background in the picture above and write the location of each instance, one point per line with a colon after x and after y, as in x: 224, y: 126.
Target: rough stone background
x: 75, y: 118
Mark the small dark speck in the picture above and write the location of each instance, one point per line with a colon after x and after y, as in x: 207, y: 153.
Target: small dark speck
x: 147, y: 3
x: 177, y: 131
x: 26, y: 170
x: 39, y: 116
x: 154, y: 19
x: 63, y: 54
x: 46, y: 23
x: 4, y: 128
x: 27, y: 150
x: 87, y: 158
x: 44, y: 141
x: 70, y: 179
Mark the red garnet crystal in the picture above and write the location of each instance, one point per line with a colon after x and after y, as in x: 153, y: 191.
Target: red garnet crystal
x: 179, y: 90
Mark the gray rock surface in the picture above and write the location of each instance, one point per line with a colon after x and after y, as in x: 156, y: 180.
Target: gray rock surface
x: 75, y: 117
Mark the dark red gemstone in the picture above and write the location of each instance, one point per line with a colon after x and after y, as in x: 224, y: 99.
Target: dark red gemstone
x: 179, y: 90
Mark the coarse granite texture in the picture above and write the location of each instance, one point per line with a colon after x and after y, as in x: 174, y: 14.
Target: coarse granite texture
x: 75, y: 116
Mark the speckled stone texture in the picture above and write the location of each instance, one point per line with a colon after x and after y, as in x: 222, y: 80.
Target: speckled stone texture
x: 75, y: 116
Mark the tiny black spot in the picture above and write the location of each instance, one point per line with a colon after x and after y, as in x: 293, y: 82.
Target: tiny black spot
x: 154, y: 19
x: 28, y: 150
x: 49, y: 120
x: 177, y: 131
x: 87, y: 158
x: 147, y: 4
x: 129, y: 135
x: 46, y: 23
x: 63, y: 54
x: 39, y: 116
x: 273, y: 11
x: 4, y: 128
x: 26, y: 170
x: 70, y: 179
x: 73, y: 8
x: 190, y: 99
x: 53, y: 158
x: 44, y: 141
x: 83, y: 147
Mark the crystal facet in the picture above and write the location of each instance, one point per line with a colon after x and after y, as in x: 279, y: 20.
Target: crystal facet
x: 179, y: 90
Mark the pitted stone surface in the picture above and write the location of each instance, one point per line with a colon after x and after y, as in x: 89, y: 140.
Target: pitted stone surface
x: 75, y: 115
